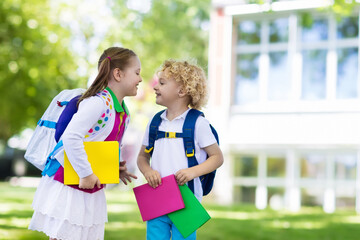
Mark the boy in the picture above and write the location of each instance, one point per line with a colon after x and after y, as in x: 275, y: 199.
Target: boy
x: 181, y: 85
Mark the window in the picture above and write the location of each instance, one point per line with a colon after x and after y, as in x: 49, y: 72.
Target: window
x: 268, y: 47
x: 346, y: 85
x: 314, y: 74
x: 276, y: 197
x: 279, y: 86
x: 313, y: 166
x: 312, y: 196
x: 345, y: 167
x: 276, y: 167
x: 249, y: 33
x: 247, y: 78
x: 246, y: 166
x: 318, y: 31
x: 279, y: 30
x: 348, y: 28
x: 245, y: 194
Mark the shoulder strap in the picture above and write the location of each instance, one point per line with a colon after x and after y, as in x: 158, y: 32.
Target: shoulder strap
x: 153, y: 129
x: 215, y: 134
x: 188, y: 138
x: 66, y: 116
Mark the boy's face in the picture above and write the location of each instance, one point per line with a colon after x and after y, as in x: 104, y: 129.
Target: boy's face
x: 167, y: 90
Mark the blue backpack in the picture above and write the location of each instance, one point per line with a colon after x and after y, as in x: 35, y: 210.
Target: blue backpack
x: 187, y: 135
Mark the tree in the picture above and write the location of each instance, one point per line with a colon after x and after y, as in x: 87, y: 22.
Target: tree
x: 171, y: 29
x: 35, y: 63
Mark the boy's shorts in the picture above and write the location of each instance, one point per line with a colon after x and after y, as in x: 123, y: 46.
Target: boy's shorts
x: 161, y: 228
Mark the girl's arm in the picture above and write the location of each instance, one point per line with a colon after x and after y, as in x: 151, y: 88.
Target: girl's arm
x: 88, y: 113
x: 214, y: 161
x: 152, y: 176
x: 125, y: 176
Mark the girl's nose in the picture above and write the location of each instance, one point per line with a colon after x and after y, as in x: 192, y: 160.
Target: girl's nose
x: 154, y: 83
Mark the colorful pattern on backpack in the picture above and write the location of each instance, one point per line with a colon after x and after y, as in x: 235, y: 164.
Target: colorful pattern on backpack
x: 105, y: 116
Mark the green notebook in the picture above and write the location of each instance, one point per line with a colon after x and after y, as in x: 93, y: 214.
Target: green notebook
x: 190, y: 218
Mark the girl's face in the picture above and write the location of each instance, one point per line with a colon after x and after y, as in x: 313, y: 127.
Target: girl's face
x: 166, y: 90
x: 131, y: 77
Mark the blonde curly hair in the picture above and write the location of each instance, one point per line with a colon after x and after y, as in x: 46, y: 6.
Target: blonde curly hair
x: 191, y: 77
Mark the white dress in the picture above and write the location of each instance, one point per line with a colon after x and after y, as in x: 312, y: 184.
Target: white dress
x: 63, y: 212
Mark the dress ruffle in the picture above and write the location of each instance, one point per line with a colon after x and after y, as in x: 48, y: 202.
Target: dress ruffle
x: 65, y: 213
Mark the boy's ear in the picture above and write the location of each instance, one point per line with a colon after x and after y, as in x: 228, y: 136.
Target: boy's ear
x: 117, y: 74
x: 182, y: 92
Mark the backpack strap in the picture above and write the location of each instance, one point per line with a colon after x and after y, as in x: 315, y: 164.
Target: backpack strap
x: 153, y: 131
x: 188, y: 138
x: 66, y: 116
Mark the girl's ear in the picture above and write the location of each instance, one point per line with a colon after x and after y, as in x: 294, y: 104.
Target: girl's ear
x: 117, y: 74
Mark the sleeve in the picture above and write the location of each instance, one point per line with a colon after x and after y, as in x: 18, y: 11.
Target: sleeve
x: 89, y: 112
x: 146, y: 135
x: 203, y: 133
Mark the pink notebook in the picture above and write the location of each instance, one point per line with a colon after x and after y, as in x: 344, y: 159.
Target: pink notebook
x: 155, y: 202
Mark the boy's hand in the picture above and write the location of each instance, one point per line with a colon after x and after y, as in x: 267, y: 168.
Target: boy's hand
x: 124, y: 174
x: 89, y: 182
x: 153, y: 177
x: 184, y: 175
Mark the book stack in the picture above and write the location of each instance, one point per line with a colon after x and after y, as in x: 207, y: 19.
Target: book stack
x: 178, y: 202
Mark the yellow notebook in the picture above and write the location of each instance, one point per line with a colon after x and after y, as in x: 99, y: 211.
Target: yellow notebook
x: 104, y: 160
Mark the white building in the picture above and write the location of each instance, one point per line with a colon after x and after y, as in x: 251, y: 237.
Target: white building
x: 285, y: 98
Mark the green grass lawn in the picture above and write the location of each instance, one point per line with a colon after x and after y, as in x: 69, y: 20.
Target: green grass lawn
x: 228, y: 222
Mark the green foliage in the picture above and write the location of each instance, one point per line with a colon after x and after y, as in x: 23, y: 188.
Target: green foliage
x: 34, y: 65
x: 171, y: 29
x: 344, y: 7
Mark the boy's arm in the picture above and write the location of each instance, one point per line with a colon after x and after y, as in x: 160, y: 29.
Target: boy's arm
x: 152, y: 176
x: 214, y: 161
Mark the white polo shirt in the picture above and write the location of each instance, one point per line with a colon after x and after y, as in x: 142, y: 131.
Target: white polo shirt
x: 169, y: 154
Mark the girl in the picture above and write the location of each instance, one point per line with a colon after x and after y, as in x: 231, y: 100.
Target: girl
x: 79, y: 212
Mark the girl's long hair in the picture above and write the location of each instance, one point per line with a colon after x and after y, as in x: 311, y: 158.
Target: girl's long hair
x: 113, y: 57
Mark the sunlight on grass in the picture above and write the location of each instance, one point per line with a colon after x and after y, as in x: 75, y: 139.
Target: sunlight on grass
x: 121, y: 208
x: 235, y: 215
x: 351, y: 219
x: 297, y: 225
x: 8, y: 207
x: 121, y: 225
x: 16, y: 222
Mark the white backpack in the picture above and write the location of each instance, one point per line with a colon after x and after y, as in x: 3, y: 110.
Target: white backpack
x: 43, y: 140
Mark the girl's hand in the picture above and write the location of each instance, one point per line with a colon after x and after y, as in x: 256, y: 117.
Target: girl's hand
x: 184, y: 175
x: 124, y: 174
x: 153, y: 177
x: 89, y: 182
